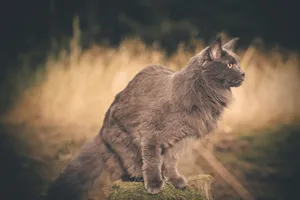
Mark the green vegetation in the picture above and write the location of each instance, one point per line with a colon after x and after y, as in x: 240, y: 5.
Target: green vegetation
x: 198, y: 190
x: 266, y: 161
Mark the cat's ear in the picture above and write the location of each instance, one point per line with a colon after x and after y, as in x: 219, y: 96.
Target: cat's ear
x: 215, y: 49
x: 231, y: 44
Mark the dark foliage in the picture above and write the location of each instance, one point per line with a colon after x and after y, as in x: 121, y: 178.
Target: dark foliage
x: 32, y: 23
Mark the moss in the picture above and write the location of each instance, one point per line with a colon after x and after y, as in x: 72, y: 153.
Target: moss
x: 198, y: 188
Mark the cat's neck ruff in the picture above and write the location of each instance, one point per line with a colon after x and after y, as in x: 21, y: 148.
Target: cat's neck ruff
x: 190, y: 90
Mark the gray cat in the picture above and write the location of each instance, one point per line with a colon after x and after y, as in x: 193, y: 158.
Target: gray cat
x: 148, y: 123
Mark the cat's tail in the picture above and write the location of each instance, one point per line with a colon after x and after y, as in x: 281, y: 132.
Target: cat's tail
x: 77, y: 178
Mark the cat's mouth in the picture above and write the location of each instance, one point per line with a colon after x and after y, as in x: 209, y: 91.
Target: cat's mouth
x: 236, y: 83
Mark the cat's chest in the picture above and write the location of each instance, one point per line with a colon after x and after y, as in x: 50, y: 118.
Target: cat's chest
x: 201, y: 123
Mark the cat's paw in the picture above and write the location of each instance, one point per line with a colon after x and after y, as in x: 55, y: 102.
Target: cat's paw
x: 178, y: 182
x: 154, y: 187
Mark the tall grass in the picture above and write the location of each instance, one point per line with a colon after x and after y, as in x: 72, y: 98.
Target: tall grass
x: 74, y: 90
x: 77, y: 88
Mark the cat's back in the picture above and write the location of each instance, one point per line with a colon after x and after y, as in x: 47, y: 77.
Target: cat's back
x: 152, y: 81
x: 153, y: 73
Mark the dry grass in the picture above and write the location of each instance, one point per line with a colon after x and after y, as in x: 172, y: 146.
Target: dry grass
x: 77, y: 88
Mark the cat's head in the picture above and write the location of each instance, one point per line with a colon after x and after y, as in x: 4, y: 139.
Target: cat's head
x: 220, y: 65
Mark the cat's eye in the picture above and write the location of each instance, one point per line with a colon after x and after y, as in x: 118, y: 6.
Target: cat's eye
x: 229, y: 65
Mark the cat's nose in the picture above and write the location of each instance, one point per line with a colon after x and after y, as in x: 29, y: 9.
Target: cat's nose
x: 243, y: 74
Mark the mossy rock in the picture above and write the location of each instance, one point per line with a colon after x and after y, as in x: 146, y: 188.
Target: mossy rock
x: 198, y: 189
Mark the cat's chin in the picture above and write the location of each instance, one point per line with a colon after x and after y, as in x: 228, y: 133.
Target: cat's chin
x: 236, y: 83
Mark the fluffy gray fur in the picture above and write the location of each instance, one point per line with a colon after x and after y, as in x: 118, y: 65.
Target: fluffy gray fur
x: 149, y: 121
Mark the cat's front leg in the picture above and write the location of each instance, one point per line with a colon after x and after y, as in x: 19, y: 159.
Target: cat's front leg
x: 170, y: 170
x: 152, y: 164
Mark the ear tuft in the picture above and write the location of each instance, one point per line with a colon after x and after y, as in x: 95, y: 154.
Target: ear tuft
x: 231, y: 44
x: 215, y: 49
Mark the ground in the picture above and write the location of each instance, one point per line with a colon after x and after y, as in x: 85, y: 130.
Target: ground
x: 265, y: 161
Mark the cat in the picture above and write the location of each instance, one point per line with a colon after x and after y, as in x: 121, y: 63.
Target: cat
x: 147, y: 124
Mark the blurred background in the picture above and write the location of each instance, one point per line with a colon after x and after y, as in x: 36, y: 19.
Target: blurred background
x: 63, y: 61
